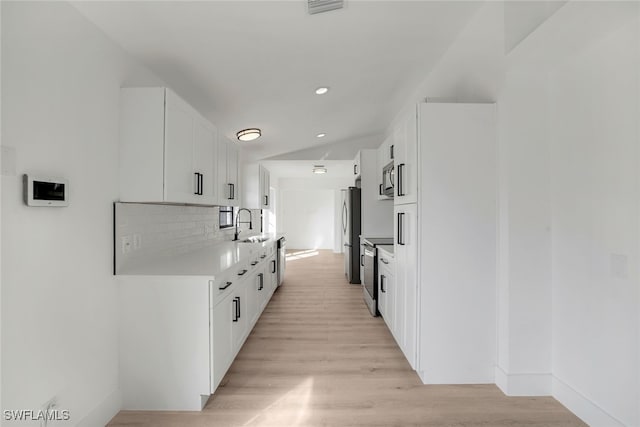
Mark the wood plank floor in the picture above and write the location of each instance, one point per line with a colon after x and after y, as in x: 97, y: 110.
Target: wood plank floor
x: 317, y: 358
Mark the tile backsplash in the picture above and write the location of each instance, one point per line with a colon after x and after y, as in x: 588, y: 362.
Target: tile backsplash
x: 150, y: 231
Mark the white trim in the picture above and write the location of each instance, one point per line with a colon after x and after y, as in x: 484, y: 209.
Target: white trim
x: 104, y: 412
x: 523, y: 384
x: 582, y: 406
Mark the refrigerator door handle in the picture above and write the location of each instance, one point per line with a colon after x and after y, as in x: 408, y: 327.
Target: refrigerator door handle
x: 344, y: 217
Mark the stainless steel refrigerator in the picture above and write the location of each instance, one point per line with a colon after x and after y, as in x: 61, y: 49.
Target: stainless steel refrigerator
x: 351, y: 233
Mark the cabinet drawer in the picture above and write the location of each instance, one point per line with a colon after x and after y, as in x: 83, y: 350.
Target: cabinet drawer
x: 385, y: 261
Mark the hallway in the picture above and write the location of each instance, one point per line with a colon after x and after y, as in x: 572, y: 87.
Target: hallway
x: 317, y: 358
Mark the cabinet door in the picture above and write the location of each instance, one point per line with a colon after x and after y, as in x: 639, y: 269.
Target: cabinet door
x: 390, y: 290
x: 356, y: 166
x: 180, y: 181
x: 240, y: 321
x: 222, y: 316
x: 224, y: 190
x: 382, y: 292
x: 204, y: 160
x: 260, y: 290
x: 232, y: 174
x: 266, y: 184
x: 273, y: 271
x: 406, y: 261
x: 405, y: 142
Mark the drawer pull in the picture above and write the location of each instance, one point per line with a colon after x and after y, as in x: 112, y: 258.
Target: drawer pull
x: 226, y: 285
x: 242, y: 272
x: 384, y: 261
x: 254, y: 263
x: 263, y: 256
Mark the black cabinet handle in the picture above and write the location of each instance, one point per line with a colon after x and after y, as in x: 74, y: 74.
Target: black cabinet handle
x: 197, y: 191
x: 273, y: 266
x: 355, y: 169
x: 263, y: 256
x: 226, y: 285
x: 232, y: 191
x: 261, y: 276
x: 201, y: 184
x: 254, y: 263
x: 391, y: 152
x: 401, y: 179
x: 384, y: 261
x: 242, y: 272
x: 380, y: 189
x: 400, y: 238
x: 382, y: 279
x: 236, y: 309
x: 266, y: 200
x: 362, y: 260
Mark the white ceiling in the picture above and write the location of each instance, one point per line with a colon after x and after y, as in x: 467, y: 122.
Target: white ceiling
x: 257, y: 63
x: 304, y: 169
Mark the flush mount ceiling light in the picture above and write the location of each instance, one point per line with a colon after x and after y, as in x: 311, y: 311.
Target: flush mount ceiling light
x: 249, y: 134
x: 321, y: 135
x: 322, y: 90
x: 319, y: 169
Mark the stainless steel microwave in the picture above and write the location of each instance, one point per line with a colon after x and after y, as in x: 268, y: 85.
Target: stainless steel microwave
x: 388, y: 178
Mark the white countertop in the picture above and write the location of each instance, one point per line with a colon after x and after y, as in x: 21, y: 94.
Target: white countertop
x: 211, y: 261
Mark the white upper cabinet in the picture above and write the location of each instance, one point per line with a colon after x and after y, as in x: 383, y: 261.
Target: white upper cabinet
x: 405, y: 150
x: 385, y: 156
x: 357, y: 166
x: 228, y: 188
x: 256, y: 186
x: 167, y: 149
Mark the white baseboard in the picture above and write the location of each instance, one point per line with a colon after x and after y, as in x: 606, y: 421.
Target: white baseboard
x: 523, y: 384
x: 104, y: 412
x: 581, y: 406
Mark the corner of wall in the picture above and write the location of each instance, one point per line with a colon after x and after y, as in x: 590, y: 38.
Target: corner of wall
x: 582, y: 406
x: 104, y: 412
x: 523, y: 384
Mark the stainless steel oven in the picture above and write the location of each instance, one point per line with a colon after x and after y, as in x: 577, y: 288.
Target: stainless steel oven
x: 369, y: 281
x: 388, y: 178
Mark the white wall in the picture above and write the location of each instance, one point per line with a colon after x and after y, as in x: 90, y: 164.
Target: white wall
x: 308, y: 218
x: 569, y: 205
x: 524, y: 260
x: 294, y: 218
x: 61, y: 78
x: 595, y: 142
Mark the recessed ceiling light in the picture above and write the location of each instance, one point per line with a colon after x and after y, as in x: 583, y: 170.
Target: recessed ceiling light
x: 249, y: 134
x: 319, y: 169
x: 321, y: 135
x: 322, y: 90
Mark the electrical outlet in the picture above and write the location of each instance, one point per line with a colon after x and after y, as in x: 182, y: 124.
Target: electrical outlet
x: 126, y: 244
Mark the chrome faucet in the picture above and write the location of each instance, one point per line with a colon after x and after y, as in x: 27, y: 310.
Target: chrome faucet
x: 250, y: 222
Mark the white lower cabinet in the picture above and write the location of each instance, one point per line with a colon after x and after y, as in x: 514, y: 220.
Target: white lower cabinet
x: 180, y: 334
x: 387, y: 296
x: 406, y: 259
x: 221, y: 338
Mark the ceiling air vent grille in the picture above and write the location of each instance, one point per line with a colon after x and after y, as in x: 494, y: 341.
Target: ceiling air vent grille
x: 319, y: 6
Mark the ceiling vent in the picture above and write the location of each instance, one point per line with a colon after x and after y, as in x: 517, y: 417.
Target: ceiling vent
x: 319, y: 6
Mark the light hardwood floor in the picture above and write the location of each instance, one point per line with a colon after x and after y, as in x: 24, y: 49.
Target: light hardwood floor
x: 317, y: 358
